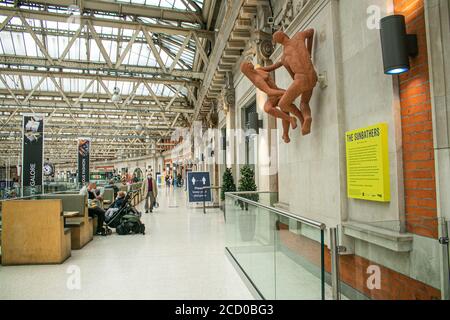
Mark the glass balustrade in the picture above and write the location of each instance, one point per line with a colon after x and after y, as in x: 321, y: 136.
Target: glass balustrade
x: 281, y: 255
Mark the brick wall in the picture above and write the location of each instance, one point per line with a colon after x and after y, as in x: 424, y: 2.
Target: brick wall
x: 353, y: 271
x: 418, y: 151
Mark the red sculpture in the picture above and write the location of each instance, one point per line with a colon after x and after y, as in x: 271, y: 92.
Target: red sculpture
x: 296, y: 59
x: 262, y: 80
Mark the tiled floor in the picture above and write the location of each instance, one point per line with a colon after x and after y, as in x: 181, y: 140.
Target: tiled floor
x: 181, y: 257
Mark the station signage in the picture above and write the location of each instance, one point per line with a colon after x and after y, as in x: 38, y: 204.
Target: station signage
x: 32, y: 154
x: 195, y: 182
x: 367, y: 157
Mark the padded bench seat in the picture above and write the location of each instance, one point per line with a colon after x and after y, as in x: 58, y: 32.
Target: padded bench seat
x: 81, y: 232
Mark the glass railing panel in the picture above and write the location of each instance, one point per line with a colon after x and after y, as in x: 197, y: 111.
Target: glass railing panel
x: 250, y: 241
x: 265, y: 198
x: 393, y: 260
x: 53, y: 187
x: 281, y: 255
x: 299, y: 261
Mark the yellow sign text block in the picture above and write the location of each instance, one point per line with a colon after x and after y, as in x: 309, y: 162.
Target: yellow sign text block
x: 368, y: 163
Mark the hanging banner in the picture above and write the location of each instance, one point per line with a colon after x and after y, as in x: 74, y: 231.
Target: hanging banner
x: 84, y: 148
x: 32, y: 154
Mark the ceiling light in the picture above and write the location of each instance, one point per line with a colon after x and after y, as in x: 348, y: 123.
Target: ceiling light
x: 116, y: 95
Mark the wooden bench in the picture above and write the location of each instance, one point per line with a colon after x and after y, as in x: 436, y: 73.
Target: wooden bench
x: 81, y: 226
x: 33, y: 232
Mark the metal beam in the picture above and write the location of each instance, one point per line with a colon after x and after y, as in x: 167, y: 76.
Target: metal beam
x: 37, y: 40
x: 105, y: 22
x: 123, y: 8
x: 6, y: 104
x: 152, y: 46
x: 97, y: 66
x: 104, y: 77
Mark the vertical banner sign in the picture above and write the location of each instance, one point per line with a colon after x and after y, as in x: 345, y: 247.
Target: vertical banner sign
x: 196, y: 181
x: 368, y: 163
x: 84, y: 148
x: 32, y: 154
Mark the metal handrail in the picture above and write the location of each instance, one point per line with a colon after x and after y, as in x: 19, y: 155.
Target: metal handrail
x: 281, y: 212
x: 204, y: 191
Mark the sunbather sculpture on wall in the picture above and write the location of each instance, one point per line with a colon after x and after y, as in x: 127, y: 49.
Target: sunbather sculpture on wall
x: 296, y: 59
x: 262, y: 80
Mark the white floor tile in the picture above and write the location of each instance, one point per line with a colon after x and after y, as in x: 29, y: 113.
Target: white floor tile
x: 180, y: 257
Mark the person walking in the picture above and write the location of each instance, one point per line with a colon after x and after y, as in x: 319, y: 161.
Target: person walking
x: 151, y: 192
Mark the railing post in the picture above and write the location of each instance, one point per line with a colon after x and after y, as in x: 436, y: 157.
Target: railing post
x: 322, y: 263
x: 445, y: 260
x: 204, y: 200
x: 336, y: 292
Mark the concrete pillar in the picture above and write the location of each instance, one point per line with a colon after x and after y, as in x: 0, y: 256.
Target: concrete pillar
x: 437, y: 20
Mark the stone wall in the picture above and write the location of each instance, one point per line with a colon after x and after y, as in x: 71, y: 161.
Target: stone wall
x: 357, y: 93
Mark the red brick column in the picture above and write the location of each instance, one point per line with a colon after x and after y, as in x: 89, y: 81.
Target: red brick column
x: 418, y: 150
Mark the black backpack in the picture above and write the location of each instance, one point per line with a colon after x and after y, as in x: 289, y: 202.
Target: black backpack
x: 130, y: 224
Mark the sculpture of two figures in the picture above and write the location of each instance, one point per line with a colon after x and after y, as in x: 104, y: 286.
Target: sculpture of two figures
x: 296, y: 58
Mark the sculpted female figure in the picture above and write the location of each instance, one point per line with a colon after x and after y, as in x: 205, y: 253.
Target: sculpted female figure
x: 262, y: 80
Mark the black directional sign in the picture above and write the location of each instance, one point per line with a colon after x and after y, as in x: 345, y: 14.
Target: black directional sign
x: 196, y: 181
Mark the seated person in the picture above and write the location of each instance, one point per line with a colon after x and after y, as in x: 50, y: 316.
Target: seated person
x: 120, y: 199
x: 93, y: 194
x: 118, y: 203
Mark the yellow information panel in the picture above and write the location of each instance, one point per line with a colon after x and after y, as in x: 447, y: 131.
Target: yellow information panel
x: 368, y: 163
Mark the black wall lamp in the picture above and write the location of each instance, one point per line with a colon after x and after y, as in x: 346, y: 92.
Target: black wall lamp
x: 397, y: 45
x: 253, y: 123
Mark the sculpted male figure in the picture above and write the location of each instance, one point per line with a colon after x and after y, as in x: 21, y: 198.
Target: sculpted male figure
x: 262, y: 80
x: 296, y: 59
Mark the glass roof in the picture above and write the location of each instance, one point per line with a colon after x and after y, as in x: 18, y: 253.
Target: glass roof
x: 171, y: 4
x: 16, y: 41
x: 79, y: 85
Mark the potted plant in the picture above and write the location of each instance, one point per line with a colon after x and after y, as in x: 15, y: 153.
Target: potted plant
x: 247, y: 219
x: 247, y: 183
x: 227, y: 185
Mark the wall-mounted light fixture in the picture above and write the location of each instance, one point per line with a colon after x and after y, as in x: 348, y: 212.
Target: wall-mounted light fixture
x: 254, y: 124
x: 397, y: 45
